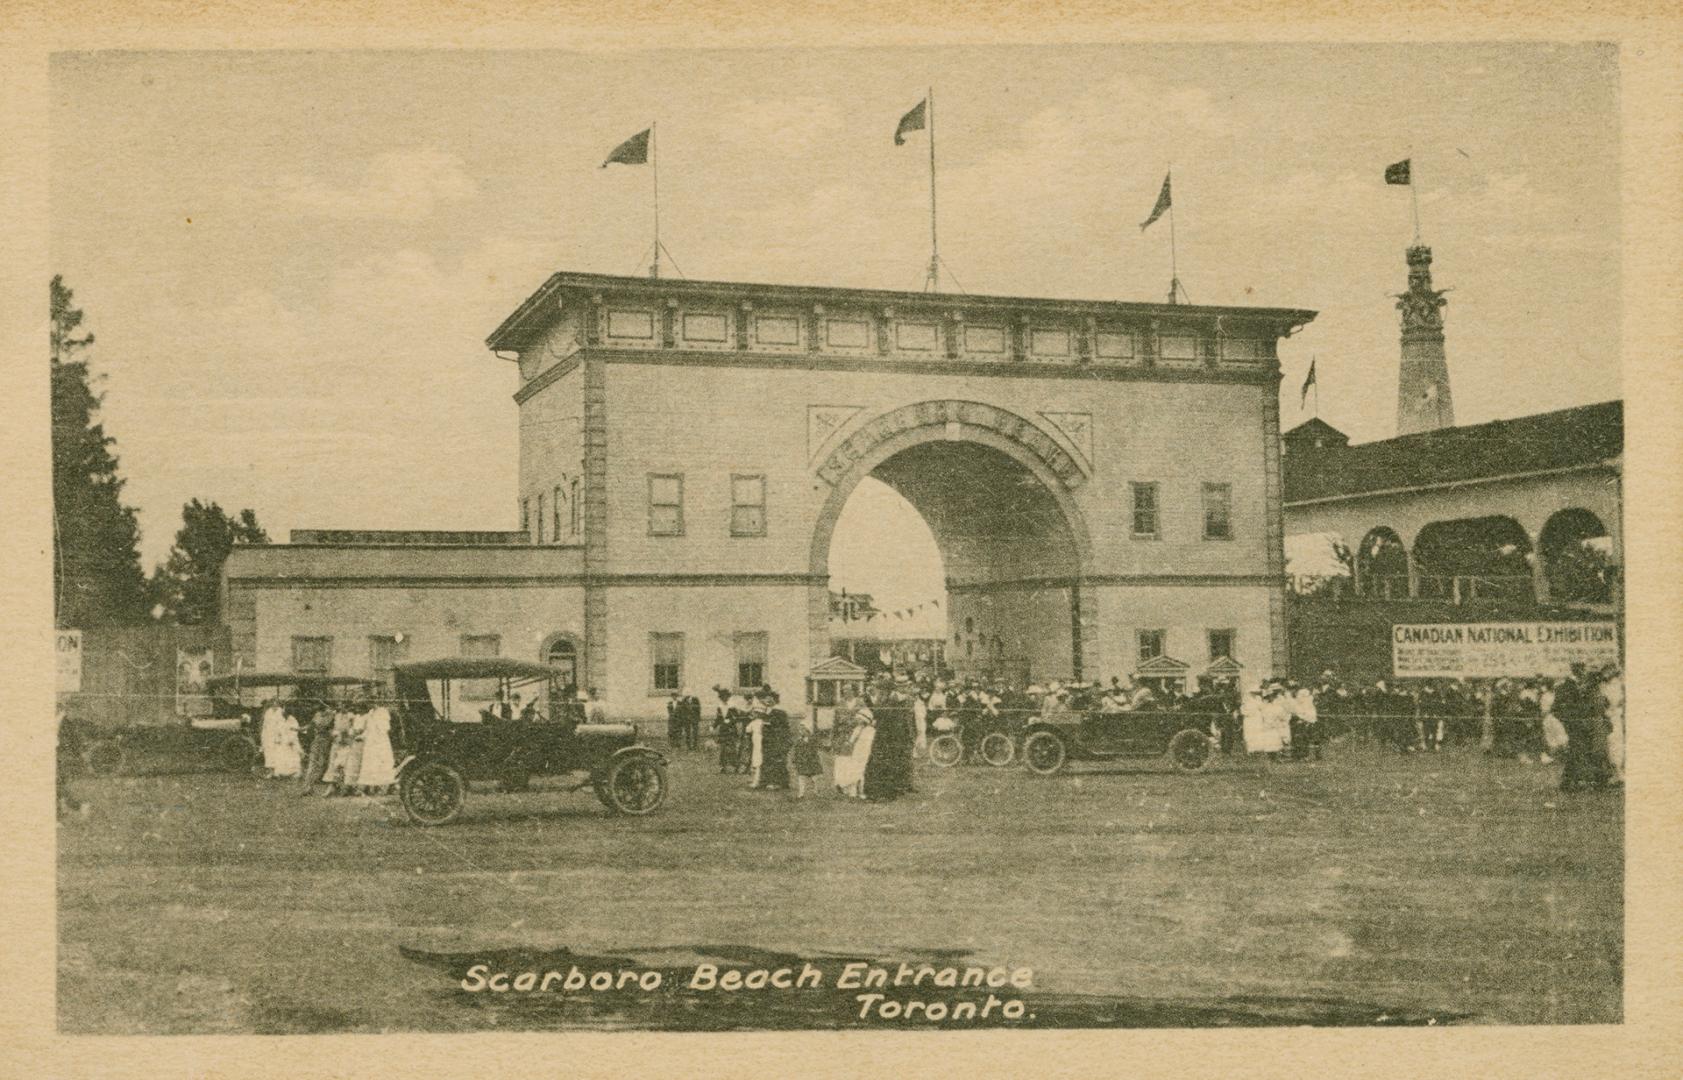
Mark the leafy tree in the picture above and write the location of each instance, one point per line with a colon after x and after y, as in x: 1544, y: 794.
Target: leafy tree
x: 96, y: 556
x: 188, y: 585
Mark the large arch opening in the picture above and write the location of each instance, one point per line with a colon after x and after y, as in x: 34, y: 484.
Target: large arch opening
x: 1577, y: 554
x: 1011, y: 547
x: 1382, y: 564
x: 1483, y: 558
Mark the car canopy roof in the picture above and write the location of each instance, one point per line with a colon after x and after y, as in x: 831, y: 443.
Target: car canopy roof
x: 477, y: 667
x: 278, y: 678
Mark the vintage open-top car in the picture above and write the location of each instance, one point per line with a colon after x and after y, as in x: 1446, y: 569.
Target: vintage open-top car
x: 225, y: 739
x: 450, y: 732
x: 1052, y: 742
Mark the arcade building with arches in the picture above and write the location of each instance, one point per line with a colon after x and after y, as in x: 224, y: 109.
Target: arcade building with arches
x: 1103, y: 481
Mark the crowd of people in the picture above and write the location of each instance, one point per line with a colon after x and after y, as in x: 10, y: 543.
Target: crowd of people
x: 342, y: 748
x: 878, y: 734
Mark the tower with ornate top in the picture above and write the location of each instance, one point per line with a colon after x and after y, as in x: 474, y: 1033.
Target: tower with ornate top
x: 1423, y: 399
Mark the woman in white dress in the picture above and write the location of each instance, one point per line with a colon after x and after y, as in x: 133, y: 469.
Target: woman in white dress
x: 379, y: 771
x: 1266, y: 725
x: 268, y: 736
x: 850, y: 767
x: 288, y: 753
x: 756, y: 731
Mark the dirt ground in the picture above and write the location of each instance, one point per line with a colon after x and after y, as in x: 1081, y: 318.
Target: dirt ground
x: 1371, y: 888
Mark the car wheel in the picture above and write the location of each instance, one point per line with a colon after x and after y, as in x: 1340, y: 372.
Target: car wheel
x: 1044, y: 753
x: 104, y: 758
x: 945, y: 751
x: 432, y: 793
x: 998, y: 749
x: 237, y: 754
x: 1189, y: 750
x: 636, y: 785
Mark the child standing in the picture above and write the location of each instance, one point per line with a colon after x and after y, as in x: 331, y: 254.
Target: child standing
x: 805, y: 759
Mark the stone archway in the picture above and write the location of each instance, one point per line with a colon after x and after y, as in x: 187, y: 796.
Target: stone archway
x: 943, y: 456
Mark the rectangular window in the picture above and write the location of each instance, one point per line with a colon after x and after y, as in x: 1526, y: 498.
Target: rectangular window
x: 312, y: 656
x: 555, y: 510
x: 666, y: 504
x: 539, y: 521
x: 1049, y: 342
x: 747, y: 505
x: 526, y: 516
x: 666, y: 653
x: 573, y: 509
x: 385, y: 652
x: 1151, y: 644
x: 1145, y: 510
x: 705, y: 326
x: 1218, y: 511
x: 1221, y: 644
x: 1115, y: 345
x: 480, y: 645
x: 1178, y: 348
x: 631, y: 324
x: 984, y: 339
x: 777, y: 330
x: 751, y: 652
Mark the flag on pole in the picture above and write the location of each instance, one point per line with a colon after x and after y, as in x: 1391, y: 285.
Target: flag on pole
x: 1307, y: 383
x: 633, y: 151
x: 1161, y: 207
x: 1398, y: 173
x: 912, y: 121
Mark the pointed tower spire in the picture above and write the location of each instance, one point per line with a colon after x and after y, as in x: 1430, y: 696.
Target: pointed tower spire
x: 1423, y: 399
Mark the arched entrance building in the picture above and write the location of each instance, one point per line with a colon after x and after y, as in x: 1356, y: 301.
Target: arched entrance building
x: 1102, y: 480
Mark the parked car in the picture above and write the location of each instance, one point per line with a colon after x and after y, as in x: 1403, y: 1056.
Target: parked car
x: 449, y: 734
x: 226, y: 739
x: 1051, y: 743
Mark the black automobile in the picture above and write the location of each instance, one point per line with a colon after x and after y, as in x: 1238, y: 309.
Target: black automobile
x: 226, y: 739
x: 456, y: 723
x: 1052, y: 742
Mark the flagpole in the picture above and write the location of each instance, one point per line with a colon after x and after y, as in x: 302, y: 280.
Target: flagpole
x: 654, y: 160
x: 934, y: 284
x: 1414, y: 196
x: 1174, y: 273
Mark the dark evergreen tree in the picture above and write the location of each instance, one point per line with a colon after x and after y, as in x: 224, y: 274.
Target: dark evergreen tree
x: 96, y: 557
x: 188, y: 585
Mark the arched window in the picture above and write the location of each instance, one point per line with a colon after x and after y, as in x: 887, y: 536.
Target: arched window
x: 1577, y: 558
x: 562, y: 652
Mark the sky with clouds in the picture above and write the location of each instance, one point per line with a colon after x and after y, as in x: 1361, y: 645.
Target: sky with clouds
x: 291, y: 259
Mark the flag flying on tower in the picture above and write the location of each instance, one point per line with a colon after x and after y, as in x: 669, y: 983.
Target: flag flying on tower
x: 633, y: 151
x: 1307, y: 383
x: 1162, y: 205
x: 1398, y: 173
x: 912, y: 121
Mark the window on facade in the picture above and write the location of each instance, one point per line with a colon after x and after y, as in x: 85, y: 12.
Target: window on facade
x: 312, y: 656
x: 555, y: 513
x: 1145, y: 509
x: 667, y: 655
x: 1151, y: 644
x: 540, y: 517
x: 573, y: 508
x: 564, y: 655
x: 480, y: 645
x: 385, y: 652
x: 747, y: 505
x: 666, y: 505
x: 526, y: 516
x: 1221, y: 644
x: 1218, y: 512
x: 751, y: 659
